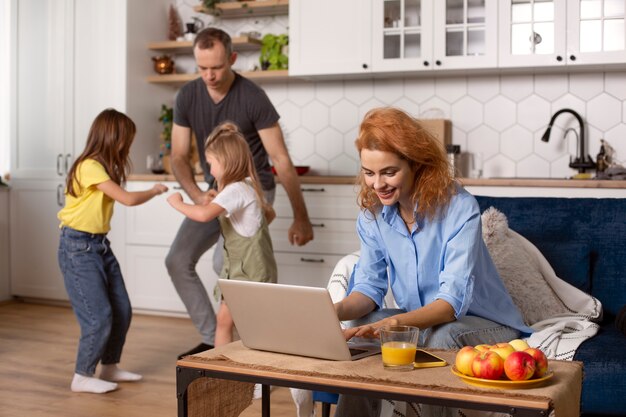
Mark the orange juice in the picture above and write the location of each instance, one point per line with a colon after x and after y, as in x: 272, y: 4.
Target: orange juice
x: 398, y: 353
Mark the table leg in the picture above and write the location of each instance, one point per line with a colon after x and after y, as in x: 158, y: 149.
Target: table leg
x: 265, y: 400
x: 184, y: 377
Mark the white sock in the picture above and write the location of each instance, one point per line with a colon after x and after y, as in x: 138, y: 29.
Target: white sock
x: 82, y: 383
x: 114, y: 374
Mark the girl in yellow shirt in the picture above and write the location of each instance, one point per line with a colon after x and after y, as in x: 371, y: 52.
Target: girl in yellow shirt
x: 92, y: 275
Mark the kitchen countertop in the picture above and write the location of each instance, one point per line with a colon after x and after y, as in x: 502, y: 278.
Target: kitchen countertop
x: 483, y: 182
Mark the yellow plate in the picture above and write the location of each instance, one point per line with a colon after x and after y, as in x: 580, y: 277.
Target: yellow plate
x: 502, y: 383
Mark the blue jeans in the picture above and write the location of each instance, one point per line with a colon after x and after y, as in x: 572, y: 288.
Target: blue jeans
x: 467, y: 330
x: 192, y: 241
x: 95, y: 286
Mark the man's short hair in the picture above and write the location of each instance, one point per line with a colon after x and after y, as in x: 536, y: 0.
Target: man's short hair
x: 207, y: 37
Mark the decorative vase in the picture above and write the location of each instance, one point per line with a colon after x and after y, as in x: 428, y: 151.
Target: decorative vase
x: 163, y: 64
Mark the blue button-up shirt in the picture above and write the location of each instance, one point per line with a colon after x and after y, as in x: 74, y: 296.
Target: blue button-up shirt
x: 445, y: 258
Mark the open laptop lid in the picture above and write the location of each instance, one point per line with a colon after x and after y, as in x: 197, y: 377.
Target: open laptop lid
x: 289, y: 319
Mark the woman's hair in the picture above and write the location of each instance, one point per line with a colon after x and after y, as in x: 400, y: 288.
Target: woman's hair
x: 228, y: 145
x: 206, y: 39
x: 392, y: 130
x: 108, y: 142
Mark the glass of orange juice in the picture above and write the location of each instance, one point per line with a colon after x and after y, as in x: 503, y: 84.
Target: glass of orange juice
x: 398, y: 344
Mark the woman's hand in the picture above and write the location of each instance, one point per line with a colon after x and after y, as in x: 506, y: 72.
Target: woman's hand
x: 371, y: 330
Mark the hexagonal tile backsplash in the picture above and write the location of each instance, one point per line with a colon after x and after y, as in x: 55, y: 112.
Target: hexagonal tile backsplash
x: 497, y: 119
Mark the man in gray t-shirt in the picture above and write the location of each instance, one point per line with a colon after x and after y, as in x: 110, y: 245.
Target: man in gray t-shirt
x: 218, y: 95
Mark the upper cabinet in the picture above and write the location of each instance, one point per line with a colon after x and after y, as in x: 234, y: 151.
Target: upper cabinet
x: 414, y: 35
x: 562, y: 32
x: 391, y: 36
x: 329, y: 37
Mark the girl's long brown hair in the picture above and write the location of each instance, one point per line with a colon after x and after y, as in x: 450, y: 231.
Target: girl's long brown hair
x: 228, y: 145
x: 389, y: 129
x: 108, y: 142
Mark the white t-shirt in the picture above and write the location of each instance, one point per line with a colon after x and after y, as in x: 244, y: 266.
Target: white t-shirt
x: 242, y: 208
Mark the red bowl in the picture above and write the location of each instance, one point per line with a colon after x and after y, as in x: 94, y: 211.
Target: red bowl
x: 300, y: 169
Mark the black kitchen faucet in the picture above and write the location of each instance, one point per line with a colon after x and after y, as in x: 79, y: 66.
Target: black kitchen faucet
x: 582, y: 161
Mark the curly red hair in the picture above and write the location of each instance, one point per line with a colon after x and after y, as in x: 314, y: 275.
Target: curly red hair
x: 392, y: 130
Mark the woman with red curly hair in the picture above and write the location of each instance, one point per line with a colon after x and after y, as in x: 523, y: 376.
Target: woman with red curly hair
x: 420, y: 234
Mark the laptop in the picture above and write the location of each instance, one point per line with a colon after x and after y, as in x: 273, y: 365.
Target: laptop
x: 290, y: 319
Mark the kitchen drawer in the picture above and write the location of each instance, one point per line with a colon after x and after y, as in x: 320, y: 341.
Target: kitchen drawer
x: 322, y: 201
x: 311, y: 270
x: 330, y: 236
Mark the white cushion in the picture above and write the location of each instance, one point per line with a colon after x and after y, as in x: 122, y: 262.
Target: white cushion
x: 519, y: 270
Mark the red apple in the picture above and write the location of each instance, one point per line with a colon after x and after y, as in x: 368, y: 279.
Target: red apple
x: 488, y: 365
x: 464, y: 359
x: 502, y: 349
x: 519, y: 366
x: 541, y: 361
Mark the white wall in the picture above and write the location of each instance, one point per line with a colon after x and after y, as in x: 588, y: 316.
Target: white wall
x: 5, y: 97
x: 5, y: 293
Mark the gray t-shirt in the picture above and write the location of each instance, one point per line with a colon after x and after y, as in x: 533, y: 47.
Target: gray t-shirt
x: 245, y: 104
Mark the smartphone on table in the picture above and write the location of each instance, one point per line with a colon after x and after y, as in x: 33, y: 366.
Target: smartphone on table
x: 425, y: 359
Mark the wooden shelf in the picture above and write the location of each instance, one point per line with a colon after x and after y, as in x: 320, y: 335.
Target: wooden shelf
x: 240, y: 44
x: 247, y: 8
x: 179, y: 79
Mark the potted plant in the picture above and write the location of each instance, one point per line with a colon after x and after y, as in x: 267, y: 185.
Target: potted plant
x: 272, y: 52
x: 167, y: 120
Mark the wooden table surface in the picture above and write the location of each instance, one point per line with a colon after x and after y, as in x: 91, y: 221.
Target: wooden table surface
x: 367, y: 377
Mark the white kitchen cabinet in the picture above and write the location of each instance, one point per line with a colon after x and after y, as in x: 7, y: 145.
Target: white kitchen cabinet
x: 43, y: 52
x: 562, y: 32
x: 148, y: 232
x: 35, y: 239
x: 70, y: 58
x: 5, y: 288
x: 415, y: 35
x: 329, y: 37
x: 381, y: 36
x: 333, y: 212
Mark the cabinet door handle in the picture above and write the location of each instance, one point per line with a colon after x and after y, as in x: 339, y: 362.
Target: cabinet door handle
x: 313, y: 190
x: 364, y: 66
x: 318, y: 225
x: 572, y: 57
x: 426, y: 63
x: 60, y: 195
x: 317, y: 261
x: 68, y: 159
x: 559, y: 58
x: 59, y: 158
x: 438, y: 62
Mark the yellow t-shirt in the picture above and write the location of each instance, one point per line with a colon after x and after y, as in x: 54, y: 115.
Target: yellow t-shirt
x: 91, y: 210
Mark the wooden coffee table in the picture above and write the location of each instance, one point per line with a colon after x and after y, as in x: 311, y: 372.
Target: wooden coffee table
x: 366, y: 377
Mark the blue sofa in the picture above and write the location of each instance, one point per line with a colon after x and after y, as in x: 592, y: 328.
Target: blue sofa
x: 584, y: 239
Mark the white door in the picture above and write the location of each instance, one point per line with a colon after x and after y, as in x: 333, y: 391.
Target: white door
x: 329, y: 37
x: 532, y: 33
x: 465, y: 34
x: 596, y: 33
